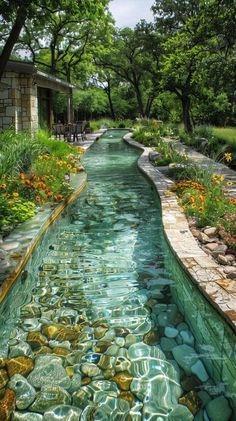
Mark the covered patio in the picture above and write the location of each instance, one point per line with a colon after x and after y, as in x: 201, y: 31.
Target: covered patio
x: 26, y: 97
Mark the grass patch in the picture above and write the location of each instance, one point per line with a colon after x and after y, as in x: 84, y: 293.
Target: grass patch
x: 226, y: 135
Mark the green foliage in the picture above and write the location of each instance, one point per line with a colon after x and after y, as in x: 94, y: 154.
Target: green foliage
x: 168, y: 155
x: 226, y: 135
x: 107, y: 123
x: 203, y: 195
x: 17, y: 152
x: 13, y: 211
x: 52, y: 146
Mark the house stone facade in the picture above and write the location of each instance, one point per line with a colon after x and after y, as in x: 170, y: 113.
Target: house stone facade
x: 20, y: 99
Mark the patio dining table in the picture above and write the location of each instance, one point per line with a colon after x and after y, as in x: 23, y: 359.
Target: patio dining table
x: 70, y: 132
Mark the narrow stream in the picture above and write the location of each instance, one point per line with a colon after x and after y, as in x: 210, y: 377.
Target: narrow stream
x: 100, y: 336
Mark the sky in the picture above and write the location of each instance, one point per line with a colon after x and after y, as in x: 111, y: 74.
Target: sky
x: 129, y: 12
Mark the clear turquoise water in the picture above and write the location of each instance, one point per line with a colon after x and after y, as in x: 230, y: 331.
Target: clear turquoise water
x: 139, y: 341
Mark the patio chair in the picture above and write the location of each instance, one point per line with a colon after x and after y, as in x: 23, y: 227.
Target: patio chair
x: 59, y: 130
x: 79, y: 130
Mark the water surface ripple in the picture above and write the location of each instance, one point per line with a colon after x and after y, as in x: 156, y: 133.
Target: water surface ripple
x: 100, y: 337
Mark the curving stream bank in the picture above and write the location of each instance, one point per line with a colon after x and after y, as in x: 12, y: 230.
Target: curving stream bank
x: 94, y: 329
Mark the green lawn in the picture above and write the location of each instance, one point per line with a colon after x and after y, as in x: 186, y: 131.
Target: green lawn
x: 226, y: 134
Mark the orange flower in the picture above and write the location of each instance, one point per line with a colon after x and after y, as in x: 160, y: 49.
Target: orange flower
x: 41, y: 186
x: 201, y: 199
x: 11, y: 202
x: 43, y: 178
x: 22, y: 176
x: 58, y: 197
x: 3, y: 186
x: 74, y: 170
x: 49, y: 194
x: 38, y: 198
x: 201, y: 209
x: 192, y: 199
x: 43, y: 200
x: 7, y: 196
x: 27, y: 182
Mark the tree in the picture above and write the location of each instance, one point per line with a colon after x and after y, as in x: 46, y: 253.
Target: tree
x: 16, y: 14
x: 126, y: 57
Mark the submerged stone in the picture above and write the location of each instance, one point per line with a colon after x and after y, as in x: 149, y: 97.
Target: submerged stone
x: 192, y: 401
x: 26, y: 416
x: 171, y: 332
x: 121, y: 331
x: 199, y: 370
x: 186, y: 357
x: 19, y: 365
x: 62, y: 413
x: 36, y: 340
x: 123, y: 380
x: 24, y: 392
x: 7, y: 405
x: 90, y: 370
x: 219, y: 409
x: 49, y: 396
x: 22, y: 348
x: 3, y: 378
x: 49, y: 371
x: 151, y: 338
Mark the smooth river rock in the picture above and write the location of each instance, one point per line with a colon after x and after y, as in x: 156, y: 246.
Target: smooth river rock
x: 186, y: 357
x: 27, y: 416
x: 219, y: 409
x: 25, y: 393
x: 50, y: 396
x: 62, y: 413
x: 49, y: 371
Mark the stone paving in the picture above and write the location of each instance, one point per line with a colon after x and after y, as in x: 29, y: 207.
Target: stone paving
x: 205, y: 162
x: 203, y: 270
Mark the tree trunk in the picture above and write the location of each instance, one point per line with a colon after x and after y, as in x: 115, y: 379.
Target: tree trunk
x: 13, y: 37
x: 139, y: 101
x: 149, y: 106
x: 186, y: 107
x: 108, y: 92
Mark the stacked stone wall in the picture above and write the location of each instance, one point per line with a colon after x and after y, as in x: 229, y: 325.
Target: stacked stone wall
x: 18, y: 102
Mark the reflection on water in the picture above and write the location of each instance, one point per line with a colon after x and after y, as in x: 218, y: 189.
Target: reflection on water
x: 101, y: 335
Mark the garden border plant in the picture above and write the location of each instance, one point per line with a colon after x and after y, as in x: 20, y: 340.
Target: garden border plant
x: 35, y: 170
x: 202, y: 194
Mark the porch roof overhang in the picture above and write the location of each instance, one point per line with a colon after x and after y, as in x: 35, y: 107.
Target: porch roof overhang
x: 41, y: 79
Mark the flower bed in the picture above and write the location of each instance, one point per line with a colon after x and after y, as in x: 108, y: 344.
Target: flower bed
x: 33, y: 172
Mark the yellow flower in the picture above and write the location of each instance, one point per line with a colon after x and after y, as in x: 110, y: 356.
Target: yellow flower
x: 11, y: 202
x: 15, y: 194
x: 3, y: 186
x: 200, y: 209
x: 228, y: 156
x: 193, y: 206
x: 221, y: 178
x: 229, y: 183
x: 69, y: 166
x: 74, y: 169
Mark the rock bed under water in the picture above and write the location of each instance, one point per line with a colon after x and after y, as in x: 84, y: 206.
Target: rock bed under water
x: 101, y: 338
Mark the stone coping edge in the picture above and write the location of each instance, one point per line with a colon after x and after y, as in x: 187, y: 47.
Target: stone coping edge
x: 201, y: 268
x: 11, y: 279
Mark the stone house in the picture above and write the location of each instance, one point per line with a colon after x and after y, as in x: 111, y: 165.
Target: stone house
x: 26, y: 97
